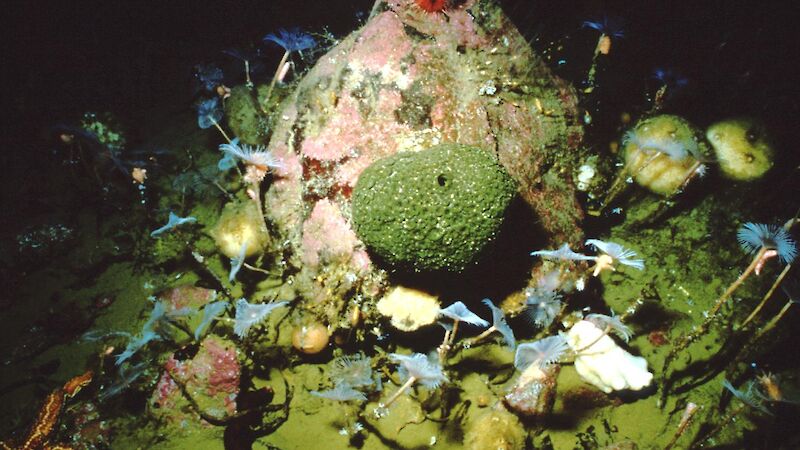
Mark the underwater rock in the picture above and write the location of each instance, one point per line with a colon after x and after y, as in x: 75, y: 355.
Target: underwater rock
x: 327, y: 238
x: 407, y: 81
x: 495, y: 428
x: 434, y: 209
x: 534, y: 398
x: 211, y: 377
x: 187, y: 296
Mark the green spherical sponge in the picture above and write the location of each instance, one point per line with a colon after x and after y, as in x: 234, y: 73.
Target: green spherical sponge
x: 434, y: 209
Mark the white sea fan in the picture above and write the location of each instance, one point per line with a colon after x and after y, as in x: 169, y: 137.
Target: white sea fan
x: 341, y: 393
x: 618, y: 253
x: 257, y: 156
x: 499, y: 323
x: 563, y: 253
x: 210, y: 312
x: 543, y: 352
x: 612, y: 322
x: 753, y: 236
x: 238, y: 261
x: 673, y: 148
x: 172, y: 222
x: 750, y: 396
x: 421, y: 368
x: 353, y: 370
x: 248, y: 314
x: 542, y: 305
x: 459, y: 312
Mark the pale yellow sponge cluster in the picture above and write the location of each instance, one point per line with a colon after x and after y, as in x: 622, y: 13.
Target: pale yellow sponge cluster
x: 741, y: 147
x: 240, y: 227
x: 409, y: 309
x: 662, y: 153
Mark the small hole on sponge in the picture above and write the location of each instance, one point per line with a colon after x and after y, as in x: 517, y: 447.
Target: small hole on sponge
x: 441, y: 180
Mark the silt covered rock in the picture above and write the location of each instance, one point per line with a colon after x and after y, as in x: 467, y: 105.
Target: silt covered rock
x: 407, y: 81
x: 211, y: 378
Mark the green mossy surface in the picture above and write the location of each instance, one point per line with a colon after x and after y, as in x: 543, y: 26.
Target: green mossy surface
x: 245, y: 112
x: 435, y: 209
x: 244, y: 116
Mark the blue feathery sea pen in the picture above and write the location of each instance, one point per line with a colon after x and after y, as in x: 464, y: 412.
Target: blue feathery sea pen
x: 619, y: 253
x: 500, y: 325
x: 292, y: 40
x: 237, y: 262
x: 750, y: 397
x: 753, y: 236
x: 209, y: 113
x: 352, y: 370
x: 210, y: 312
x: 562, y: 253
x: 419, y: 368
x: 209, y: 76
x: 543, y: 352
x: 256, y: 156
x: 460, y: 313
x: 172, y: 222
x: 542, y: 305
x: 608, y: 25
x: 613, y: 323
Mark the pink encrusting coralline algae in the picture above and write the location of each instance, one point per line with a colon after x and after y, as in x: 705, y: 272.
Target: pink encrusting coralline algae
x: 326, y: 236
x: 212, y: 377
x: 187, y: 296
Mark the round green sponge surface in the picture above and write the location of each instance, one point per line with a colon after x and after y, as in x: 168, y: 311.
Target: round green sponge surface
x: 434, y: 209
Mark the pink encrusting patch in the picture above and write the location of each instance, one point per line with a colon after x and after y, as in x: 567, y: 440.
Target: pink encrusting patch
x: 338, y: 136
x: 463, y: 28
x: 166, y: 392
x: 327, y: 236
x: 284, y: 195
x: 376, y: 136
x: 353, y: 142
x: 212, y: 377
x: 382, y: 44
x: 290, y: 166
x: 223, y: 367
x: 187, y: 296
